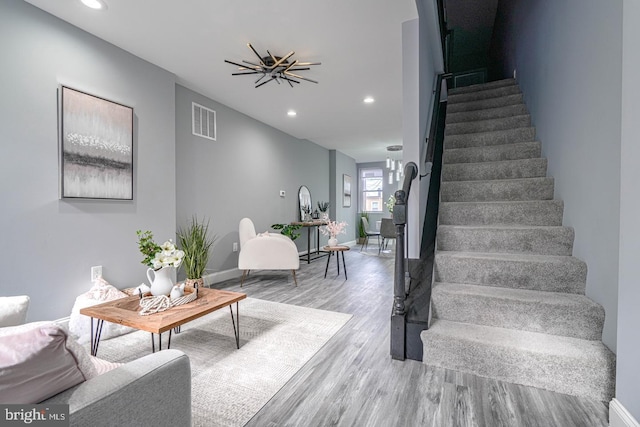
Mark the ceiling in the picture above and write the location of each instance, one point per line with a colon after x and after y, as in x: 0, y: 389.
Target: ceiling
x: 358, y: 42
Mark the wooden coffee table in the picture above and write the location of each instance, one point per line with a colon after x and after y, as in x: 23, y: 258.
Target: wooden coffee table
x: 124, y: 311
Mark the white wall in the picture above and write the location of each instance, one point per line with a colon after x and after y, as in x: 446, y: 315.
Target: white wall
x: 568, y: 58
x: 628, y: 368
x: 49, y: 245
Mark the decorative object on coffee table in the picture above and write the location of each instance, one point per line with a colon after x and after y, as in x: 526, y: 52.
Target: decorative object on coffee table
x: 161, y: 259
x: 196, y: 243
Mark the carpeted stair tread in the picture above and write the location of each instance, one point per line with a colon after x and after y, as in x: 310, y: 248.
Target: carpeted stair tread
x: 555, y: 313
x: 551, y: 273
x: 480, y: 95
x: 540, y: 240
x: 498, y: 137
x: 486, y: 103
x: 489, y: 125
x: 494, y: 153
x: 561, y: 364
x: 486, y: 114
x: 503, y: 169
x: 482, y: 86
x: 529, y: 212
x: 496, y: 190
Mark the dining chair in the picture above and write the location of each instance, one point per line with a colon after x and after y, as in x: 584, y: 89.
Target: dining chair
x: 387, y: 232
x: 368, y: 233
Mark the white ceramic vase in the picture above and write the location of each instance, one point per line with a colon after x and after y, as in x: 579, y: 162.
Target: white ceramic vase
x: 162, y: 282
x: 324, y: 216
x: 332, y: 241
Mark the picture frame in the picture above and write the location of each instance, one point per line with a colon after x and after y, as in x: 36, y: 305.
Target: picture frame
x: 346, y: 191
x: 95, y: 147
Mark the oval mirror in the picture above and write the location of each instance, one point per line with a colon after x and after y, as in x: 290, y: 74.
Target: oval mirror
x: 304, y: 203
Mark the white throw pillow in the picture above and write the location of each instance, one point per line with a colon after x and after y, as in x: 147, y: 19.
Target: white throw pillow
x: 80, y: 325
x: 39, y: 360
x: 13, y: 310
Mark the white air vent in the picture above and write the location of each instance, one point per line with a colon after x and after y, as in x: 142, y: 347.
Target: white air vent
x: 204, y: 121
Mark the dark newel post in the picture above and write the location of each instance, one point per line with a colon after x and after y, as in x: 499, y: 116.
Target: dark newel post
x: 398, y: 315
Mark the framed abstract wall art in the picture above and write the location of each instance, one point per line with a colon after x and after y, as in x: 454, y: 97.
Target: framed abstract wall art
x: 346, y: 190
x: 96, y: 147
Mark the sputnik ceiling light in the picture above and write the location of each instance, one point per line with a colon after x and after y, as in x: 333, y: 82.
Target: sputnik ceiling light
x: 273, y: 68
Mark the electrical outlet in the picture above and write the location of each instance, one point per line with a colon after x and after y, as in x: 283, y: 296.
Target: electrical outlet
x: 282, y: 193
x: 96, y: 272
x: 235, y: 246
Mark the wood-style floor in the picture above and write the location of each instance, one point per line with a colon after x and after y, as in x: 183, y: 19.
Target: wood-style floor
x: 353, y: 381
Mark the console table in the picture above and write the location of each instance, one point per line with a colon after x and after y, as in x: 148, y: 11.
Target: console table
x: 309, y: 225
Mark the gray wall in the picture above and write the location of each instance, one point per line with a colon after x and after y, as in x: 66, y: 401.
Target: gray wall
x: 568, y: 58
x: 49, y: 244
x: 628, y: 375
x: 241, y: 174
x: 341, y: 164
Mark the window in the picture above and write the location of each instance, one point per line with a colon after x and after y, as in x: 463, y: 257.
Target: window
x: 371, y: 190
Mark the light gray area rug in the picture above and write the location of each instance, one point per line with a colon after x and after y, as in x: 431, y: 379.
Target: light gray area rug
x: 229, y: 386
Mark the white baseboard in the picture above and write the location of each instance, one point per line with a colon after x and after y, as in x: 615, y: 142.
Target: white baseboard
x: 221, y: 276
x: 619, y: 416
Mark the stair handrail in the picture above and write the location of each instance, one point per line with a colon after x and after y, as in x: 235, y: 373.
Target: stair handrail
x: 400, y: 221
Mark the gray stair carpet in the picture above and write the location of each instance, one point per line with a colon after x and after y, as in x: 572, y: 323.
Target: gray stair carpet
x: 508, y: 299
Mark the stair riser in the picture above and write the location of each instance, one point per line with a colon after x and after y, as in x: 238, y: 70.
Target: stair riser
x: 574, y: 319
x: 512, y: 169
x: 487, y: 114
x: 577, y: 376
x: 535, y: 241
x: 507, y: 190
x: 483, y: 94
x: 483, y: 86
x: 485, y: 104
x: 516, y: 151
x: 489, y: 138
x: 488, y: 125
x: 560, y: 276
x: 546, y: 212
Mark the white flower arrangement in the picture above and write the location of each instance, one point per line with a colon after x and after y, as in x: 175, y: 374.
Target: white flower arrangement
x: 333, y: 228
x: 158, y: 256
x: 168, y: 256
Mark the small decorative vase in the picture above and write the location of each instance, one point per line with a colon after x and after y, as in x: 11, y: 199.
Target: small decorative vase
x: 332, y: 241
x: 324, y: 216
x: 162, y: 282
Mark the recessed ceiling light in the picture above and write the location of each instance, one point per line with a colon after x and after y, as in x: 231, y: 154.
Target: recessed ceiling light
x: 95, y: 4
x: 369, y: 100
x: 291, y: 113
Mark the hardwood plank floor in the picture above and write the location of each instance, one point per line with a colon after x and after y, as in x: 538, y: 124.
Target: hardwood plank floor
x: 353, y: 381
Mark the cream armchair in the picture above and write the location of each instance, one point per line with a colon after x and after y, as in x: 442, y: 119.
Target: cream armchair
x: 268, y: 251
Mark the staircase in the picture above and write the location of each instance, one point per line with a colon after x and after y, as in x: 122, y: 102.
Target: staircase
x: 508, y: 296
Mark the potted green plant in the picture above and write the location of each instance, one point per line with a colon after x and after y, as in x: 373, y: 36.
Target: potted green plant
x: 288, y: 230
x: 196, y: 242
x: 323, y: 207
